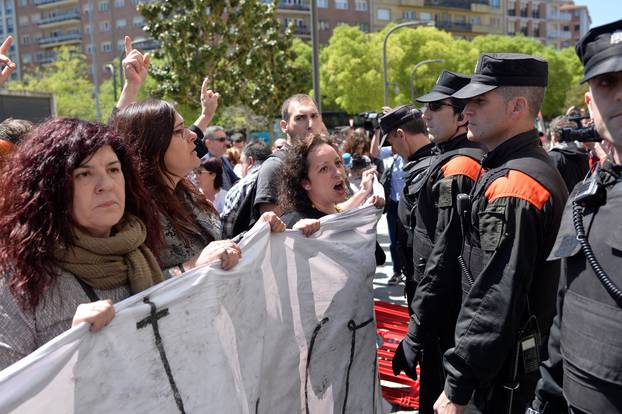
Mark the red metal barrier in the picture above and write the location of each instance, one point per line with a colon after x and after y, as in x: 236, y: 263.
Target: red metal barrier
x: 392, y: 325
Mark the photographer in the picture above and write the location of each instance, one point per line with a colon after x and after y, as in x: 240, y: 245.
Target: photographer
x: 585, y: 346
x: 570, y: 157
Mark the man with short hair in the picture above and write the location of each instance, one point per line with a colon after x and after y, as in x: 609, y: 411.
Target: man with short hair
x: 509, y: 219
x: 238, y: 140
x: 437, y: 273
x: 585, y: 346
x: 299, y: 118
x: 216, y: 143
x: 405, y: 130
x: 570, y: 158
x: 253, y: 155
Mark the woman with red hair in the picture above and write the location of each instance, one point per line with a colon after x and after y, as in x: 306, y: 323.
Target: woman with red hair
x: 77, y: 232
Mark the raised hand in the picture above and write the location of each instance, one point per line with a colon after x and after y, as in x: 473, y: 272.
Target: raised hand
x: 135, y: 64
x: 209, y: 99
x: 5, y: 60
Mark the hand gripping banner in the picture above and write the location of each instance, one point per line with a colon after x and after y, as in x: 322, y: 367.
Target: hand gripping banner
x: 289, y: 330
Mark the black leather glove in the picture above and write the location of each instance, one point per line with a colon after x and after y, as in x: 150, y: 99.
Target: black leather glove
x: 407, y: 356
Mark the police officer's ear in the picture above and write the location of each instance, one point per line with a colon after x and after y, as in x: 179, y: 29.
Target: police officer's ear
x: 588, y: 102
x: 462, y: 121
x: 518, y: 107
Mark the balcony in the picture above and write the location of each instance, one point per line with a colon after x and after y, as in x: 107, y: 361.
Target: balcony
x: 66, y: 39
x: 301, y: 30
x: 455, y: 4
x: 454, y: 26
x: 66, y: 19
x: 416, y: 3
x: 294, y: 7
x: 48, y: 4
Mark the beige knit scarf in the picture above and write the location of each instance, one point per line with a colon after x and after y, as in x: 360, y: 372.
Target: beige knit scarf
x: 111, y: 262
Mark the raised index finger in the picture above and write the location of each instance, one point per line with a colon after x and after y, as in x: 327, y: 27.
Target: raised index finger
x: 4, y: 48
x: 128, y: 45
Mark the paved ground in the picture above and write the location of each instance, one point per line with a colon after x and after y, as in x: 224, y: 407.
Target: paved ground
x: 382, y: 291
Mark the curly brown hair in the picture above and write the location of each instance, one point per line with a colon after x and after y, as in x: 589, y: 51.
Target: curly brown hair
x: 292, y: 196
x: 36, y: 200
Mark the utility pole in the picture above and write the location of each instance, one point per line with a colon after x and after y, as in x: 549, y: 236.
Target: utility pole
x: 315, y: 57
x: 98, y: 114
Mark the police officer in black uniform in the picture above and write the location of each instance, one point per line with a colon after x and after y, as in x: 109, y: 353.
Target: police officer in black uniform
x: 404, y: 128
x: 585, y: 347
x: 510, y: 220
x: 437, y: 299
x: 570, y: 158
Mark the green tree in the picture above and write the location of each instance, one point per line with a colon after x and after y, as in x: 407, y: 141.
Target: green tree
x: 239, y: 44
x: 67, y: 78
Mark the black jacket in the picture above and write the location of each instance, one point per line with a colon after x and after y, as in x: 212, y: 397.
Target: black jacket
x: 585, y: 346
x: 516, y: 208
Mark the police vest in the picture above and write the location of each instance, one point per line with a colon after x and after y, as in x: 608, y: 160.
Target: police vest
x: 591, y: 320
x: 424, y: 207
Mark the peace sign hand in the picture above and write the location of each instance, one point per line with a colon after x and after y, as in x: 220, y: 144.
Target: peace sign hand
x: 5, y: 60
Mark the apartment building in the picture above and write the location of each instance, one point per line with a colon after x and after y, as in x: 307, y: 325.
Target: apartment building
x: 463, y: 18
x: 7, y: 27
x: 542, y: 19
x: 580, y: 22
x: 44, y: 25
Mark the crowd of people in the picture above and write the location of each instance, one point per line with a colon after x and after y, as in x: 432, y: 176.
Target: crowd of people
x: 510, y: 282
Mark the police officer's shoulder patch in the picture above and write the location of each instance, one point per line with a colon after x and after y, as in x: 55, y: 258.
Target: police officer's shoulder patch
x: 519, y: 185
x: 445, y: 197
x: 462, y: 165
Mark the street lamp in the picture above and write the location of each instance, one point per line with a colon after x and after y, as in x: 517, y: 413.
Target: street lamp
x: 384, y: 55
x: 414, y: 72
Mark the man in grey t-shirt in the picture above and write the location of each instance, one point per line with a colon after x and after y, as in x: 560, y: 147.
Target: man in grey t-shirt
x: 299, y: 118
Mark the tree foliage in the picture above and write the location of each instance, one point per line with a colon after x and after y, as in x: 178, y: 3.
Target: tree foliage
x: 239, y: 44
x: 351, y: 66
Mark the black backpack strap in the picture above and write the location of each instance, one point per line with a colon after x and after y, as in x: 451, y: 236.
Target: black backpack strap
x: 90, y: 292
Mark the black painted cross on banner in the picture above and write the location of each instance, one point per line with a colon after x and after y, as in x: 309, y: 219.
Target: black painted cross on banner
x: 152, y: 320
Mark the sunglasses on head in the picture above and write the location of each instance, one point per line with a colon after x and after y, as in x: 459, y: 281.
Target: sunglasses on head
x: 438, y: 105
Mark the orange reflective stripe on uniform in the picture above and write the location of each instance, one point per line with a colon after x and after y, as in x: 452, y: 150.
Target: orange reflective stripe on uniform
x: 520, y: 185
x: 462, y: 165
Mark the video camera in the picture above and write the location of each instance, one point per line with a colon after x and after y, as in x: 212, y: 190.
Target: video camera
x: 580, y: 133
x: 369, y: 120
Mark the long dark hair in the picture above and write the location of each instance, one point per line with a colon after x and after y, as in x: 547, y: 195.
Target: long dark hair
x: 292, y: 196
x: 214, y: 165
x: 148, y: 126
x: 36, y: 200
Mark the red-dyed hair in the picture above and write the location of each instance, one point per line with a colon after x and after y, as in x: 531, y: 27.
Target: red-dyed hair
x: 36, y: 200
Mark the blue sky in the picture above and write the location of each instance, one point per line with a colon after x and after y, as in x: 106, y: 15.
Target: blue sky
x: 602, y: 11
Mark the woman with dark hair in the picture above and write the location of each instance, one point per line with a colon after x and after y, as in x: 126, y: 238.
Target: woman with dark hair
x: 77, y: 231
x: 313, y: 185
x: 209, y: 179
x: 167, y: 150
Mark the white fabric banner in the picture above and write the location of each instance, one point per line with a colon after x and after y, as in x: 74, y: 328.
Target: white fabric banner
x: 289, y: 329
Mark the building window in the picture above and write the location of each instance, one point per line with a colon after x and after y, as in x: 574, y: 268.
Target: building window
x: 34, y: 18
x: 383, y: 14
x: 324, y: 25
x: 425, y: 17
x: 496, y: 4
x: 136, y: 2
x: 118, y: 4
x: 476, y: 20
x: 104, y: 26
x: 511, y: 27
x: 322, y: 4
x: 89, y: 48
x: 103, y: 6
x: 87, y: 28
x: 409, y: 15
x: 364, y: 26
x: 341, y: 4
x: 23, y: 3
x: 23, y: 20
x: 86, y: 8
x: 361, y: 5
x: 121, y: 23
x: 120, y: 45
x: 138, y: 21
x: 511, y: 9
x: 106, y: 47
x: 26, y: 39
x: 577, y: 28
x: 26, y: 58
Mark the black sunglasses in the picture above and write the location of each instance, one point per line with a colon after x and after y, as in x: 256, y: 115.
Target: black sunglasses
x: 223, y: 139
x: 438, y: 105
